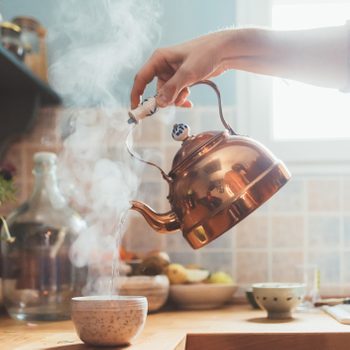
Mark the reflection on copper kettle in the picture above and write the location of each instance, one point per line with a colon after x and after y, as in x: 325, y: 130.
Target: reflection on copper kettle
x: 217, y: 179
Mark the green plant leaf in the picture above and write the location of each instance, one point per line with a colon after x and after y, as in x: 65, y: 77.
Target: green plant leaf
x: 7, y: 190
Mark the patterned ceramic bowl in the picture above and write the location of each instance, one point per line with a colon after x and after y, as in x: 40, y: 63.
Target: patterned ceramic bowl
x: 278, y: 299
x: 109, y: 320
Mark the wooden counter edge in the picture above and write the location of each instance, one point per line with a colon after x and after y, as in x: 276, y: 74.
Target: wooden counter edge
x: 271, y: 341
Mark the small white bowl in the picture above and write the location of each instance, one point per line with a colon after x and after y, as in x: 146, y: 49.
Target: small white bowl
x: 278, y: 299
x: 109, y: 320
x: 199, y: 296
x: 154, y: 288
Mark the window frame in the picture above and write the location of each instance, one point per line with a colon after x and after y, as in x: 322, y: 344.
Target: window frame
x: 254, y: 97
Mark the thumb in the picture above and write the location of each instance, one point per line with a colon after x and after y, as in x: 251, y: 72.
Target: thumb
x: 171, y: 89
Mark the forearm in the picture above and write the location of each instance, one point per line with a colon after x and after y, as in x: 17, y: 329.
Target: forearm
x: 317, y: 56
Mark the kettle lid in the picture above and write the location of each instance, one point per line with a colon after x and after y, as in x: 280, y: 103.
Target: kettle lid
x: 191, y: 145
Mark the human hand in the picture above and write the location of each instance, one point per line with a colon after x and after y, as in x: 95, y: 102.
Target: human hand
x: 178, y: 67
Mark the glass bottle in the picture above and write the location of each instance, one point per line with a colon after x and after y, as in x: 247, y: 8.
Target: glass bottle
x: 38, y: 276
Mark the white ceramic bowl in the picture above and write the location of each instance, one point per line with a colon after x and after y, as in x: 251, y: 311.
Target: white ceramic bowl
x: 278, y: 299
x: 154, y: 288
x: 109, y: 320
x: 199, y: 296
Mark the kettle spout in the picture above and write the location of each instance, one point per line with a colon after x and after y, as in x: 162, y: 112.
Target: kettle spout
x: 162, y: 223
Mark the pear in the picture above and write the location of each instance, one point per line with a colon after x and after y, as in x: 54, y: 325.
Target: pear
x: 220, y: 277
x: 176, y: 273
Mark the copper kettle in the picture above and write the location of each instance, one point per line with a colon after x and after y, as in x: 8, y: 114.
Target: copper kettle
x: 217, y: 179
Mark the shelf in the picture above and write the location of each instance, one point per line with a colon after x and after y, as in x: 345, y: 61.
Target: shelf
x: 21, y: 95
x: 16, y: 79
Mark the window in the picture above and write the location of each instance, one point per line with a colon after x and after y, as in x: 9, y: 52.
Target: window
x: 299, y: 122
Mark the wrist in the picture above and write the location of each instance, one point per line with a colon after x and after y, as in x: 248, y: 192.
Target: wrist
x: 226, y: 50
x: 244, y: 43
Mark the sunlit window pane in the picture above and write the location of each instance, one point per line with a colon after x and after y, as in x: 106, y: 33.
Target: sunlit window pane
x: 302, y: 111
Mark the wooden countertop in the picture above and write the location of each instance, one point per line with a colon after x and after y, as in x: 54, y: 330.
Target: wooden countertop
x: 233, y: 327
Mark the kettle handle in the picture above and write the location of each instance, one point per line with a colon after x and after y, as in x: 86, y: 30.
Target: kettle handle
x: 217, y: 91
x: 224, y: 122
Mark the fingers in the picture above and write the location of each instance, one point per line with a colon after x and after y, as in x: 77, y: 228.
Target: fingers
x: 142, y: 78
x: 182, y: 99
x: 159, y: 66
x: 182, y: 96
x: 156, y: 63
x: 172, y: 89
x: 172, y: 84
x: 187, y: 104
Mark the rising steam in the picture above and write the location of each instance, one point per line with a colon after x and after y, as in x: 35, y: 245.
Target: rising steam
x: 96, y: 48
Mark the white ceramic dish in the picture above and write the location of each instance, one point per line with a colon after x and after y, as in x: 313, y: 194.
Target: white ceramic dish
x: 154, y: 288
x: 278, y: 299
x: 109, y: 320
x: 199, y: 296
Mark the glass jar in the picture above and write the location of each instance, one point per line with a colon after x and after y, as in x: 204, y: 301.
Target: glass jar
x: 10, y: 37
x: 33, y: 38
x: 39, y: 279
x: 29, y: 36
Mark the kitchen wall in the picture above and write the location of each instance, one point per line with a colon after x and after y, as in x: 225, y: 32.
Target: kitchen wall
x: 307, y: 222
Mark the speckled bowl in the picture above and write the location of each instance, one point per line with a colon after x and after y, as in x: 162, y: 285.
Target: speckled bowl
x: 109, y: 320
x: 278, y: 299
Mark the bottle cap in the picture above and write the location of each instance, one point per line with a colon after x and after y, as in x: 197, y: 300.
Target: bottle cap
x: 45, y: 157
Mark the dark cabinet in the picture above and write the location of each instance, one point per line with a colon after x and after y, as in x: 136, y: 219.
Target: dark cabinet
x: 21, y: 95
